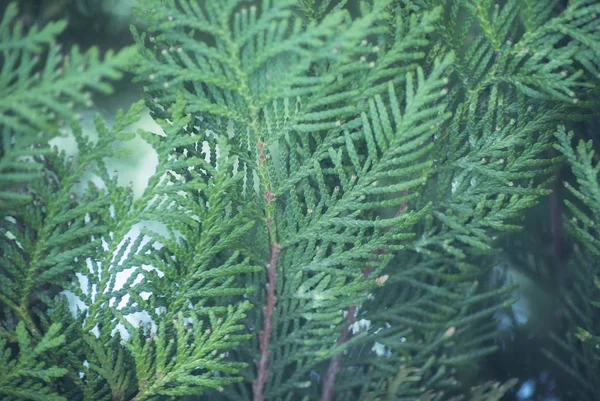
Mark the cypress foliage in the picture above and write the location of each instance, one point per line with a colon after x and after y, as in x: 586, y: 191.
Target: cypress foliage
x: 322, y: 224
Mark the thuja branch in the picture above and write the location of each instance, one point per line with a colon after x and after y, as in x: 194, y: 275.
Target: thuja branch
x: 335, y: 364
x: 265, y: 335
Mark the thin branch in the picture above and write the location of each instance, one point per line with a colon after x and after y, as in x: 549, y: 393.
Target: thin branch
x: 265, y: 334
x: 335, y: 364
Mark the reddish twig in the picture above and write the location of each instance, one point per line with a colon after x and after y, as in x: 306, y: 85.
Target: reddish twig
x: 335, y: 365
x: 265, y: 335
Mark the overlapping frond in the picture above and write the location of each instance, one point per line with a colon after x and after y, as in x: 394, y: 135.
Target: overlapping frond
x: 87, y: 233
x: 314, y: 79
x: 494, y: 145
x: 24, y: 376
x: 581, y: 160
x: 577, y: 355
x: 67, y: 225
x: 36, y: 93
x: 527, y: 44
x: 336, y: 225
x: 196, y: 250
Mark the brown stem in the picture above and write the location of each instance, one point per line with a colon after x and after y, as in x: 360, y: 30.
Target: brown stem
x: 265, y: 334
x: 335, y: 364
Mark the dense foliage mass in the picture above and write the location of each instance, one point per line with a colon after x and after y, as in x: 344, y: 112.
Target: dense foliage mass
x: 323, y: 222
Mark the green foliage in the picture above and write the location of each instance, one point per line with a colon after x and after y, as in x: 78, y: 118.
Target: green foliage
x: 369, y: 159
x: 25, y: 376
x: 582, y: 163
x: 36, y: 94
x: 579, y: 355
x: 491, y: 391
x: 77, y: 221
x: 545, y: 56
